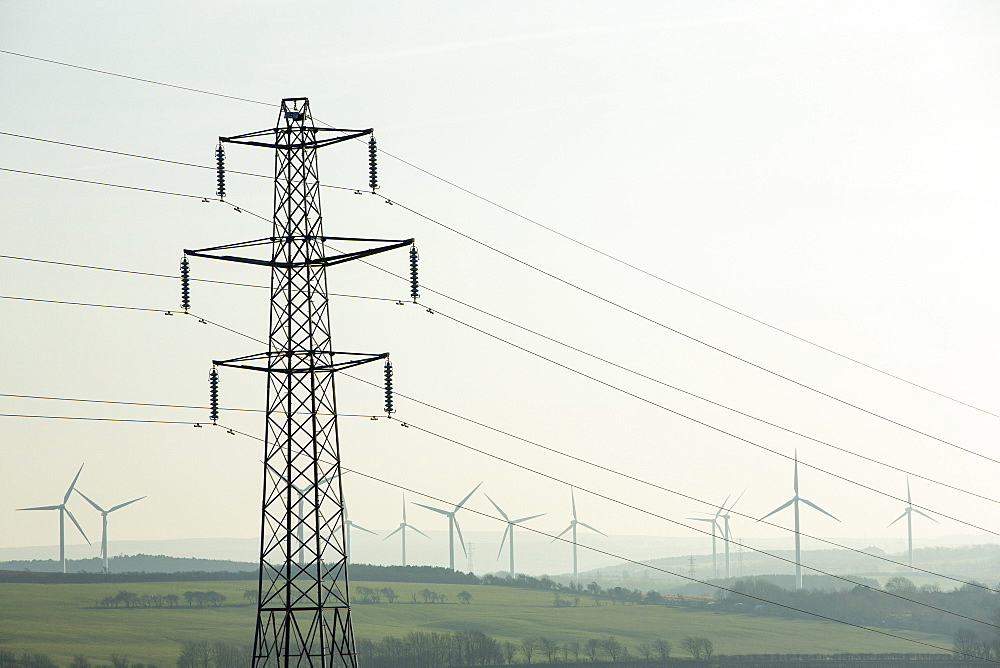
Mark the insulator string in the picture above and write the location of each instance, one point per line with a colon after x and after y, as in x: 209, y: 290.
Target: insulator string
x: 414, y: 283
x: 220, y: 171
x: 372, y: 164
x: 213, y: 395
x: 388, y: 388
x: 185, y: 284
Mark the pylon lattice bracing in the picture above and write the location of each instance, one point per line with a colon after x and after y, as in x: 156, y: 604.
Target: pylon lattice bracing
x: 304, y: 615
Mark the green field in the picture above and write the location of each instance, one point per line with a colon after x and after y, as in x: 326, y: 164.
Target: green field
x: 62, y: 621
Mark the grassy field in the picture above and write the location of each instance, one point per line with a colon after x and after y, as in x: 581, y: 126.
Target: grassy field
x: 62, y: 621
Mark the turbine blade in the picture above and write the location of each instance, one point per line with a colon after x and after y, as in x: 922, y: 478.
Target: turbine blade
x: 722, y: 506
x: 796, y: 478
x: 572, y: 498
x: 583, y: 524
x: 78, y: 526
x: 436, y: 510
x: 99, y: 509
x: 398, y: 529
x: 361, y: 528
x: 404, y: 508
x: 908, y: 502
x: 778, y: 509
x: 122, y: 505
x: 73, y: 484
x: 42, y: 508
x: 418, y: 531
x: 462, y: 502
x: 701, y: 519
x: 525, y: 519
x: 502, y: 539
x: 461, y: 541
x: 810, y: 503
x: 898, y: 518
x: 737, y: 500
x: 499, y: 510
x: 563, y: 532
x: 924, y: 514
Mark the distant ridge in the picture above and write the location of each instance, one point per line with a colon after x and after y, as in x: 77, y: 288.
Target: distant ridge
x: 139, y: 563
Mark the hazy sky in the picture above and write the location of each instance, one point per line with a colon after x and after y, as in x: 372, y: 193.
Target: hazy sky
x: 827, y: 167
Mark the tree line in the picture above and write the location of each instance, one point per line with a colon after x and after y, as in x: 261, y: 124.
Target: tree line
x: 200, y: 599
x: 370, y: 595
x: 868, y: 607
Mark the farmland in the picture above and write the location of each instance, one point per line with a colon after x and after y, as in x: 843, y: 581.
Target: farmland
x: 64, y: 621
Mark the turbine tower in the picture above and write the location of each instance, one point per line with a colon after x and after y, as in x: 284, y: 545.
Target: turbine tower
x: 104, y: 522
x: 453, y: 526
x: 350, y: 526
x: 715, y: 525
x: 63, y: 511
x: 572, y: 527
x: 794, y: 501
x: 303, y: 610
x: 509, y: 531
x: 908, y: 514
x: 727, y: 536
x: 403, y: 526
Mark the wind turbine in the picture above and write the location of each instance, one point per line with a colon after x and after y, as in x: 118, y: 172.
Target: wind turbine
x: 726, y: 535
x: 908, y: 514
x: 453, y: 525
x: 104, y: 520
x: 63, y: 511
x: 572, y: 526
x: 403, y: 526
x: 348, y: 526
x: 798, y: 537
x: 715, y: 525
x: 301, y: 514
x: 509, y: 530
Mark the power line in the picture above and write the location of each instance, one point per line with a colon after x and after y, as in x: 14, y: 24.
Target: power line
x: 155, y: 405
x: 696, y: 396
x: 200, y: 280
x: 689, y: 291
x: 689, y: 578
x: 584, y: 546
x: 545, y: 227
x: 542, y: 474
x: 689, y: 337
x: 155, y: 159
x: 589, y: 293
x: 626, y: 392
x: 512, y: 463
x: 131, y: 78
x: 535, y: 354
x: 654, y: 485
x: 705, y: 424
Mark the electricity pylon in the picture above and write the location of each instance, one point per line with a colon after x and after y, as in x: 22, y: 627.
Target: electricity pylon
x: 303, y: 608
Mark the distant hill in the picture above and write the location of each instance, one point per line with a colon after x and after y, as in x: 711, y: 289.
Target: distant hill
x: 139, y: 563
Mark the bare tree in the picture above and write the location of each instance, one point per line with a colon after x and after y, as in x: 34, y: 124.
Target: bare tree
x: 528, y: 647
x: 614, y: 648
x: 549, y: 647
x: 692, y: 646
x: 120, y: 661
x: 646, y: 650
x: 591, y: 647
x: 662, y: 648
x: 509, y: 650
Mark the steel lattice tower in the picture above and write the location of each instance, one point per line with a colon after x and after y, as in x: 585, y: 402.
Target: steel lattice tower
x: 303, y: 614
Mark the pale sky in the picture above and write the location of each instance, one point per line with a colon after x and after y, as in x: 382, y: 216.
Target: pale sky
x: 826, y: 167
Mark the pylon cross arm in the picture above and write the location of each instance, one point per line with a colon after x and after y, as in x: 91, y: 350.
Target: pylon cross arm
x: 328, y: 261
x: 348, y: 360
x: 247, y: 139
